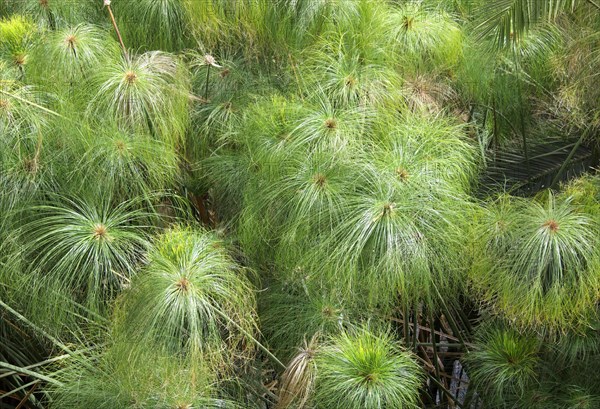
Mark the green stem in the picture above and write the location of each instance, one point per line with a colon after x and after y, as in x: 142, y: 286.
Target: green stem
x: 458, y: 333
x: 35, y: 327
x: 33, y: 104
x: 501, y: 115
x: 520, y: 71
x: 51, y: 19
x: 207, y: 81
x: 446, y: 391
x: 47, y: 361
x: 523, y: 132
x: 405, y: 324
x: 415, y: 328
x: 434, y: 346
x: 30, y: 373
x: 496, y: 141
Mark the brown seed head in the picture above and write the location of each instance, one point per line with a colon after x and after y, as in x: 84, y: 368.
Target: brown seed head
x: 70, y: 41
x: 501, y: 225
x: 130, y: 77
x: 20, y: 59
x: 4, y: 104
x: 100, y: 231
x: 370, y: 378
x: 328, y: 311
x: 183, y: 285
x: 120, y: 145
x: 388, y: 208
x: 402, y: 174
x: 31, y: 165
x: 44, y: 3
x: 551, y: 225
x: 319, y: 180
x: 408, y: 23
x: 330, y: 123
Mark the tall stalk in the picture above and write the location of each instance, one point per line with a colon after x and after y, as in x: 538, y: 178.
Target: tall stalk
x: 114, y: 23
x: 565, y: 164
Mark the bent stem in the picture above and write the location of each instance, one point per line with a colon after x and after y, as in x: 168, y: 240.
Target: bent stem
x: 246, y: 333
x: 33, y: 104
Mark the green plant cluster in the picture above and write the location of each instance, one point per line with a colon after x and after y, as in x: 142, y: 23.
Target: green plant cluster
x: 306, y: 204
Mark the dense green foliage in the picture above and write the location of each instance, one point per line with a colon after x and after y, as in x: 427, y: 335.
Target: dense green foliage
x: 305, y: 204
x: 364, y: 370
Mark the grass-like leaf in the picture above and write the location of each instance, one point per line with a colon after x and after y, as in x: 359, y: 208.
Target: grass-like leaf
x: 509, y: 20
x: 154, y: 24
x: 116, y: 378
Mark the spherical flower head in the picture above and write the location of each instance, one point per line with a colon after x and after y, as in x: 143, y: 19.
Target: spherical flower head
x: 210, y: 60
